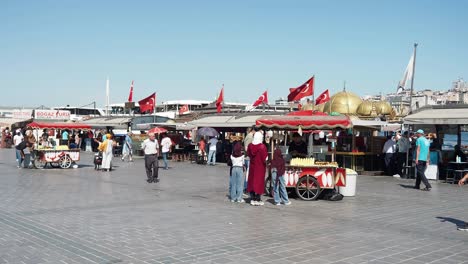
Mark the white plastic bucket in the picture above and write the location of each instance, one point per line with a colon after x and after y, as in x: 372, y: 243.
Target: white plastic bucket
x: 351, y: 181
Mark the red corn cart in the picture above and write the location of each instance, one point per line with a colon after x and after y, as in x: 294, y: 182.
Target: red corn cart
x: 57, y: 157
x: 308, y: 178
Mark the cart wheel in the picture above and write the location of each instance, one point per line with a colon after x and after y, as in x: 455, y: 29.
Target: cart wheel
x: 55, y: 164
x: 65, y: 162
x: 268, y: 187
x: 40, y: 163
x: 308, y: 188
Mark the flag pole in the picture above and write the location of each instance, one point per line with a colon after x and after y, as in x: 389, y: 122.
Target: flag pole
x: 154, y: 108
x: 313, y: 96
x: 107, y: 95
x: 412, y: 79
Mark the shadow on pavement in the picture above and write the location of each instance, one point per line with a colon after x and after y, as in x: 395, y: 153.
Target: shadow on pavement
x: 406, y: 186
x: 457, y: 222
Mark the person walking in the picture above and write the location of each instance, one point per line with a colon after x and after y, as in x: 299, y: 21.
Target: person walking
x: 64, y: 138
x: 128, y: 147
x: 389, y: 151
x: 19, y: 147
x: 403, y: 145
x: 278, y: 168
x: 166, y: 144
x: 422, y: 160
x: 461, y: 182
x: 212, y: 151
x: 106, y: 147
x: 258, y: 155
x: 247, y: 141
x: 150, y: 147
x: 237, y: 174
x: 31, y: 144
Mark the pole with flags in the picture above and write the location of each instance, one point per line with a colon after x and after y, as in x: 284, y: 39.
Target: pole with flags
x: 107, y: 95
x: 412, y: 79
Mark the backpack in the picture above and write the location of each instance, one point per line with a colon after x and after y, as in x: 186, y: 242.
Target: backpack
x: 21, y: 145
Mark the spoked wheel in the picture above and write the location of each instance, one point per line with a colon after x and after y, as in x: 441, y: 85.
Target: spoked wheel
x: 268, y: 187
x: 65, y: 162
x: 40, y: 163
x: 308, y: 188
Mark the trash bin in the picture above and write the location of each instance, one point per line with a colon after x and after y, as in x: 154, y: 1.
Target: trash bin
x: 351, y: 180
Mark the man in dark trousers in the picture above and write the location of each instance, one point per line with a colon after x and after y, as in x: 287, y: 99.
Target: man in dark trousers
x: 422, y: 160
x: 150, y: 147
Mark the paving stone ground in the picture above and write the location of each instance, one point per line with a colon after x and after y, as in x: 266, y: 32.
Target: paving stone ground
x: 85, y: 216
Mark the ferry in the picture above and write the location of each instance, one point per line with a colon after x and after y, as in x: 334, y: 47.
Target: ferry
x: 82, y: 113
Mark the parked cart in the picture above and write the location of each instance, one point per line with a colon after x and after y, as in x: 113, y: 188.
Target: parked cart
x: 307, y: 176
x: 58, y: 156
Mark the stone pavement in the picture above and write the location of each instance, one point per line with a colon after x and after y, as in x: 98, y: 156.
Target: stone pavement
x: 85, y: 216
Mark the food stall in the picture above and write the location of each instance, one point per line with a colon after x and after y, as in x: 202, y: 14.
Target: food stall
x: 57, y: 156
x: 308, y: 176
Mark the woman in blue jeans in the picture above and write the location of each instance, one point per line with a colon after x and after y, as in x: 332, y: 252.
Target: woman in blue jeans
x: 237, y: 174
x: 278, y: 169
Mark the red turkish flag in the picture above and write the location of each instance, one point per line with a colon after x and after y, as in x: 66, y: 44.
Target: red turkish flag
x: 263, y: 99
x: 219, y: 101
x: 306, y: 89
x: 323, y: 98
x: 148, y: 103
x: 183, y: 109
x: 130, y: 96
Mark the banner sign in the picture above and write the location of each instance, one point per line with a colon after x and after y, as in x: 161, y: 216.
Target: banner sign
x: 52, y: 114
x: 22, y: 114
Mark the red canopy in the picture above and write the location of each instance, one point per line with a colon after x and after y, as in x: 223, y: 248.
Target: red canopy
x: 306, y: 122
x: 58, y: 125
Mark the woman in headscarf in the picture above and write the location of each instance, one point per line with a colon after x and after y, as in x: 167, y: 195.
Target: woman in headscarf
x: 258, y: 155
x: 237, y: 174
x: 127, y: 147
x: 278, y: 169
x: 106, y: 147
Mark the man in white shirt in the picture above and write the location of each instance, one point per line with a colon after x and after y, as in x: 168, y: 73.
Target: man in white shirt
x: 166, y: 144
x: 17, y: 139
x: 150, y: 147
x: 212, y: 151
x: 403, y: 145
x: 389, y: 150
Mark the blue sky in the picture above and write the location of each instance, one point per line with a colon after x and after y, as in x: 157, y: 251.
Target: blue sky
x: 60, y: 52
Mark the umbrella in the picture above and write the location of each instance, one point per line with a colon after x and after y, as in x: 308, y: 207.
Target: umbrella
x: 157, y: 130
x: 207, y: 131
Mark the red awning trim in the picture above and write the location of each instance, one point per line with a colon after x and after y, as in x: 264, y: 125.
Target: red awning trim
x: 44, y: 125
x: 305, y: 122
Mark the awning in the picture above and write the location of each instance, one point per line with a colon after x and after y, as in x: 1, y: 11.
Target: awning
x: 7, y: 122
x: 306, y: 122
x: 230, y: 121
x: 439, y: 116
x: 114, y: 122
x: 170, y: 126
x: 58, y: 125
x: 376, y: 124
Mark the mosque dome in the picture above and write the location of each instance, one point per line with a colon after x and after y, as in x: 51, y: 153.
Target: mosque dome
x: 365, y: 108
x: 383, y: 108
x: 343, y: 102
x: 319, y: 107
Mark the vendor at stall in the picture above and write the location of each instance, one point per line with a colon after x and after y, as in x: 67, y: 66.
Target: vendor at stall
x: 297, y: 148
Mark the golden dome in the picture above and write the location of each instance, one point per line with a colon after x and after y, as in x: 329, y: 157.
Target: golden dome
x: 343, y: 102
x: 365, y: 108
x: 319, y: 107
x: 307, y: 107
x: 383, y: 108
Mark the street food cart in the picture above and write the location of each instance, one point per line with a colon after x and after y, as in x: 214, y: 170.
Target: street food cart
x: 58, y: 156
x: 307, y: 176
